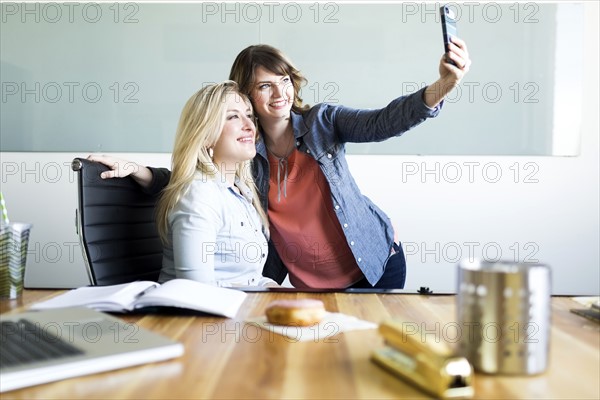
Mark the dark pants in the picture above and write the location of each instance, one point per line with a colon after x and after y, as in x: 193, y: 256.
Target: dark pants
x: 394, y: 275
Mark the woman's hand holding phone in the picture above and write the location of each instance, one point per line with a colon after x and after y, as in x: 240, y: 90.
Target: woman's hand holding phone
x: 454, y: 64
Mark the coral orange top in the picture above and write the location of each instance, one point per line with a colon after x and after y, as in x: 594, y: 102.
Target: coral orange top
x: 304, y: 228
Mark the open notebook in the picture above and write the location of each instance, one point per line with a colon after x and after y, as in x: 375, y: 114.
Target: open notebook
x: 50, y: 345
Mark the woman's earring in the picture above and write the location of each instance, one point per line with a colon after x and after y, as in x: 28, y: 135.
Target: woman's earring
x: 210, y: 152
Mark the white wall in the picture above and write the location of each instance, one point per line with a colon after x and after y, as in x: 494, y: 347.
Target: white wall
x: 475, y: 206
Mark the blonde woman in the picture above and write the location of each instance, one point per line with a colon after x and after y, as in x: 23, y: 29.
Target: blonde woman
x: 209, y: 217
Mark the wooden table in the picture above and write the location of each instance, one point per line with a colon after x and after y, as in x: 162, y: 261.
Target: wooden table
x: 226, y: 358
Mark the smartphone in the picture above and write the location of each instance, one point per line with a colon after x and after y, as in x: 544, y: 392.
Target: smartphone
x: 448, y: 18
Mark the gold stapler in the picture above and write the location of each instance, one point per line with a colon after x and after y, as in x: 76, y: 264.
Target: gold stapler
x: 424, y: 360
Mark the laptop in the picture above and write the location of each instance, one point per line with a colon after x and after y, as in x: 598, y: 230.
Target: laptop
x: 51, y: 345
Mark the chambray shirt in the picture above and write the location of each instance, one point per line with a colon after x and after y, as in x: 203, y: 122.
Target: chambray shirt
x: 322, y: 132
x: 215, y: 236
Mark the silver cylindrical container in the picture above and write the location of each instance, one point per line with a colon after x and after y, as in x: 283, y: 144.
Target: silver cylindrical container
x: 504, y: 314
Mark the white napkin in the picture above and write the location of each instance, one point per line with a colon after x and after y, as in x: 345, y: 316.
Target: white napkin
x: 587, y: 300
x: 330, y: 325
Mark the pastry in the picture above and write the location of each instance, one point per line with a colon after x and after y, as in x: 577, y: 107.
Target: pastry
x: 303, y: 312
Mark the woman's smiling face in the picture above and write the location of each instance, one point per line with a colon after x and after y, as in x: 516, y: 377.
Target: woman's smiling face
x: 272, y: 94
x: 236, y: 143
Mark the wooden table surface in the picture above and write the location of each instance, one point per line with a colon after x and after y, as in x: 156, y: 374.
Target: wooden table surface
x: 226, y: 358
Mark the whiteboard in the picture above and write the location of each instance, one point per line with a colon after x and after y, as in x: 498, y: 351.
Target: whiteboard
x: 113, y: 77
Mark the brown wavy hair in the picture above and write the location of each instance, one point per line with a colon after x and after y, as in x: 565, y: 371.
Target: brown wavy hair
x: 271, y: 59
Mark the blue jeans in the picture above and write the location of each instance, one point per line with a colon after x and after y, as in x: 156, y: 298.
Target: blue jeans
x: 394, y: 275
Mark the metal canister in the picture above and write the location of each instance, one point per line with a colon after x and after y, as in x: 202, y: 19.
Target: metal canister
x: 504, y: 313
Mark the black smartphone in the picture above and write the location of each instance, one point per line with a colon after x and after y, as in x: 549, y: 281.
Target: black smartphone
x: 448, y: 18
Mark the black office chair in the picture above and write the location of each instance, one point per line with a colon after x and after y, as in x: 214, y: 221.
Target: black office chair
x: 116, y: 227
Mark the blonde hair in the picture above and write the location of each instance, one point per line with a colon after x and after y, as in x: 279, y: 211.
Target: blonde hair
x: 200, y: 126
x: 243, y: 70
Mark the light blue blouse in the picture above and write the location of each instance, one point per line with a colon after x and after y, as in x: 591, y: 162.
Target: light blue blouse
x: 215, y: 236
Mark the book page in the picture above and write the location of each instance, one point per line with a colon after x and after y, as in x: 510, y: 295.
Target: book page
x: 104, y: 298
x: 185, y: 293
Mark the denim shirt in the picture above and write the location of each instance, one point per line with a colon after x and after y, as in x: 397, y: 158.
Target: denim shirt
x: 321, y: 132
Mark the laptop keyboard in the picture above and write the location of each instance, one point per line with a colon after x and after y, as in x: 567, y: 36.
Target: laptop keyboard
x: 24, y: 342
